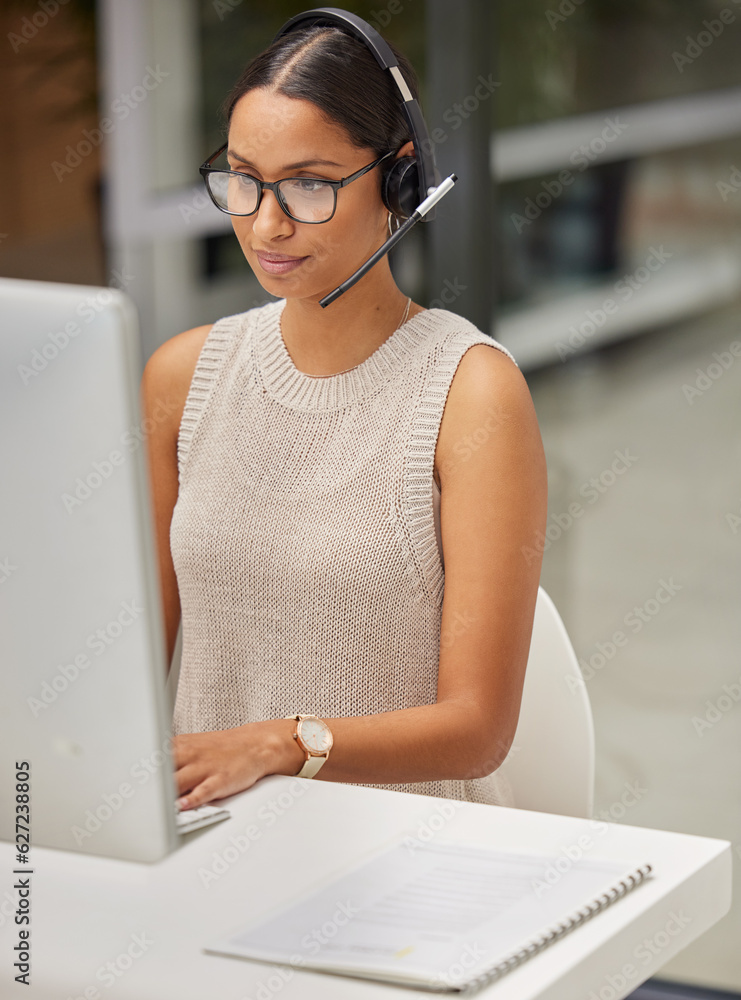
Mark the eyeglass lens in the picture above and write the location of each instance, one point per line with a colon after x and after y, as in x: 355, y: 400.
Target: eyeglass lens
x: 307, y: 199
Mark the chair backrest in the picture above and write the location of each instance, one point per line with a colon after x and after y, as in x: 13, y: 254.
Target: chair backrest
x: 550, y: 766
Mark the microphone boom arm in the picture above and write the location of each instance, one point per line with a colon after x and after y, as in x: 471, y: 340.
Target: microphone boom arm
x: 430, y: 201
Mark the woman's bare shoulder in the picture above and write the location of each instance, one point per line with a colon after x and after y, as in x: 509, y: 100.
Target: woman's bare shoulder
x: 489, y: 414
x: 176, y: 359
x: 169, y: 371
x: 486, y: 382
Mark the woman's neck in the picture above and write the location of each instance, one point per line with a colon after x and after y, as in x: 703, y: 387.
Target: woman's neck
x: 327, y: 341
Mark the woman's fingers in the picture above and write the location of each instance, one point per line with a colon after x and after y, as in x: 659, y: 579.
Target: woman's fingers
x: 213, y: 765
x: 199, y: 792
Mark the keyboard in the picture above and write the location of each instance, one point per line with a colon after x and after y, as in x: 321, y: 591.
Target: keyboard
x: 194, y: 819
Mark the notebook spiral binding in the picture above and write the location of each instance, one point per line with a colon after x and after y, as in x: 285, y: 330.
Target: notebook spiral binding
x: 557, y: 931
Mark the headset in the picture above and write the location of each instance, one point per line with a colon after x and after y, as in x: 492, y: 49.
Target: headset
x: 410, y: 186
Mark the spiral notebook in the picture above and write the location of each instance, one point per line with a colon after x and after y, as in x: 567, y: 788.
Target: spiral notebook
x: 447, y: 917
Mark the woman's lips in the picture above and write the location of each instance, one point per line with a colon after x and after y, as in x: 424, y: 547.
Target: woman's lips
x: 275, y: 263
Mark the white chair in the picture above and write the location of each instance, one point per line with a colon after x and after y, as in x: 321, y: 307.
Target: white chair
x: 550, y: 766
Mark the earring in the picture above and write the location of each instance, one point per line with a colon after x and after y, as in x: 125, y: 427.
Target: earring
x: 391, y: 232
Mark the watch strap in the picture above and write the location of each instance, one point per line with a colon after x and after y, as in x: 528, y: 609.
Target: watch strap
x: 311, y: 766
x: 313, y: 761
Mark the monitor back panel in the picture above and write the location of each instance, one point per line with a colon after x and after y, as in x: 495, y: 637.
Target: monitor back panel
x: 83, y: 674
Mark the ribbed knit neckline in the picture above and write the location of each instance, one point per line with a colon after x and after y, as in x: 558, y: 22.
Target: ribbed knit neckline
x: 298, y: 390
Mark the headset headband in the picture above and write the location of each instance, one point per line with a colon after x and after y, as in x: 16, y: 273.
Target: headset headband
x: 335, y: 17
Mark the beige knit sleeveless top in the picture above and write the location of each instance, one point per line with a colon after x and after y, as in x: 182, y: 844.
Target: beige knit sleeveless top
x: 305, y: 538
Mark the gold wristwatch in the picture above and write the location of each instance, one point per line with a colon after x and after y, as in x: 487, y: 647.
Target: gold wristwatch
x: 315, y: 739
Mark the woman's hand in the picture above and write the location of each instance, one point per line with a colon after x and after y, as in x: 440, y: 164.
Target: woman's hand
x: 214, y: 765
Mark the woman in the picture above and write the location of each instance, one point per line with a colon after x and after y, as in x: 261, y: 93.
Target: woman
x: 326, y: 470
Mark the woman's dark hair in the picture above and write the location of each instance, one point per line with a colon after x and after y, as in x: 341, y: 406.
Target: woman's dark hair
x: 339, y: 74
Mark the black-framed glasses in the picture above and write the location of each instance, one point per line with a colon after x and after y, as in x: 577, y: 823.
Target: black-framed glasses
x: 303, y: 199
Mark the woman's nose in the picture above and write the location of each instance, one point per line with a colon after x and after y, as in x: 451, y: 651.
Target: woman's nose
x: 270, y: 220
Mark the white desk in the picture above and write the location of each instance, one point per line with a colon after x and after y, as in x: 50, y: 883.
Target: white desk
x: 87, y: 911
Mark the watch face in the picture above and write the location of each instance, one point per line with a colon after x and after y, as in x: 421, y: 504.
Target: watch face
x: 315, y: 734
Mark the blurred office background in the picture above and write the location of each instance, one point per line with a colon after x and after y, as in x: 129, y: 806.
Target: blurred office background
x: 595, y: 231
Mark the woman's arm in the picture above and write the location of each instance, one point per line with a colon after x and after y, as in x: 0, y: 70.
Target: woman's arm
x: 493, y: 482
x: 493, y: 501
x: 164, y: 390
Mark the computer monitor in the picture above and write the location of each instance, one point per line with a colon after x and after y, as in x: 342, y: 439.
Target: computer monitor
x: 84, y: 704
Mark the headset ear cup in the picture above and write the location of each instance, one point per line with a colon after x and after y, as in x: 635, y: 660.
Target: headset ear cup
x: 401, y: 187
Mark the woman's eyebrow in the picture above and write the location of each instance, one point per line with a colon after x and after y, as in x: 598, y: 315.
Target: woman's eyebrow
x: 312, y: 163
x: 290, y: 166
